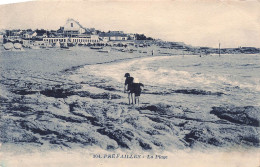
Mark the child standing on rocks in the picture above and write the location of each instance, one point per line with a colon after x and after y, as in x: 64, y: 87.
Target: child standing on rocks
x: 138, y: 87
x: 128, y: 86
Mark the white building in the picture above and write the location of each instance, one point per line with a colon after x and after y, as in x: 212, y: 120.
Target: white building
x: 29, y: 34
x: 72, y: 32
x: 51, y: 40
x: 76, y: 40
x: 113, y: 36
x: 118, y: 37
x: 73, y: 28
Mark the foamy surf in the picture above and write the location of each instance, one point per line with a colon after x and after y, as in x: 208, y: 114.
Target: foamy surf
x: 173, y: 72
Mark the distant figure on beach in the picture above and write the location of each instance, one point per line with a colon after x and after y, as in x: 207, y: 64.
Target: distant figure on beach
x: 152, y: 52
x: 137, y: 89
x: 128, y: 87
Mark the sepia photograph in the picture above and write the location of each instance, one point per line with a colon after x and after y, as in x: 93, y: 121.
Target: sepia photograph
x: 100, y: 83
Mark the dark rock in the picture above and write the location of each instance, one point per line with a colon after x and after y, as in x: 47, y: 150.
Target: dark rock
x: 248, y: 115
x: 160, y: 108
x: 153, y: 132
x: 144, y: 145
x: 197, y: 92
x: 155, y: 119
x: 251, y: 139
x: 151, y: 108
x: 24, y: 92
x: 57, y: 93
x: 198, y: 135
x: 116, y: 135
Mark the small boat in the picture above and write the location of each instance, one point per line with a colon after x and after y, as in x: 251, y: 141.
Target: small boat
x: 96, y: 47
x: 49, y: 46
x: 130, y: 50
x: 80, y: 44
x: 104, y: 51
x: 34, y: 46
x: 43, y: 46
x: 8, y: 46
x: 64, y: 47
x: 18, y: 46
x: 70, y: 44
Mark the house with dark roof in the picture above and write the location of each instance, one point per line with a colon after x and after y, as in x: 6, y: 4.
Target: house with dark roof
x: 41, y: 34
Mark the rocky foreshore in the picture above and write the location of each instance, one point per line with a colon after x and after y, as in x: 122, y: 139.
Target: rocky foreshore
x: 44, y: 108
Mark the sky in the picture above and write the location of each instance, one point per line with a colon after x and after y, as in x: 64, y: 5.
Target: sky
x: 197, y: 22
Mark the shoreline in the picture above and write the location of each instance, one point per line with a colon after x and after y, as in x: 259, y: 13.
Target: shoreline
x: 57, y: 60
x: 73, y: 114
x: 45, y: 61
x: 73, y: 68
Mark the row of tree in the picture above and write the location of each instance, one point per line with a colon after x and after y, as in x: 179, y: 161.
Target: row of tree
x: 142, y: 37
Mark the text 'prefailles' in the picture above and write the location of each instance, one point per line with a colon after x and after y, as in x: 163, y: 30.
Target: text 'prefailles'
x: 129, y: 156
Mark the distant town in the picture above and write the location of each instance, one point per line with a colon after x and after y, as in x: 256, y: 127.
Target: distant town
x: 74, y: 34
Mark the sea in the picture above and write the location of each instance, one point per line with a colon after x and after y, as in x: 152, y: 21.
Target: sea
x: 188, y: 80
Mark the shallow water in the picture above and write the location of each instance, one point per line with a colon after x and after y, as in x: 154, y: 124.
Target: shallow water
x: 225, y: 80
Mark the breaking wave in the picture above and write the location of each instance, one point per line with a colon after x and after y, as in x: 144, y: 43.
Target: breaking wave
x: 164, y: 71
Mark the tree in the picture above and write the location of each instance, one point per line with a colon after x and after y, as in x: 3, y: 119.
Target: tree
x: 142, y: 37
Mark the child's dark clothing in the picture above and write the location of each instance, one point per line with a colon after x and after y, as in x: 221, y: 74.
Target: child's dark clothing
x: 137, y: 89
x: 129, y: 82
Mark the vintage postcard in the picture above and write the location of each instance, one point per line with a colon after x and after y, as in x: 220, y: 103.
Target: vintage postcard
x: 130, y: 83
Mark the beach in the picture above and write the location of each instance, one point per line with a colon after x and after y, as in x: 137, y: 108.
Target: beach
x: 73, y: 99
